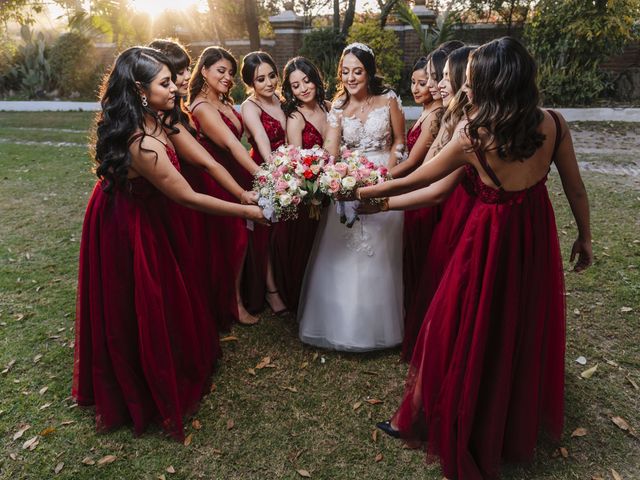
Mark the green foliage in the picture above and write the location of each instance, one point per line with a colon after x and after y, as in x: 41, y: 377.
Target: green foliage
x: 72, y: 64
x: 324, y: 47
x: 31, y: 71
x: 432, y: 36
x: 570, y: 40
x: 385, y: 45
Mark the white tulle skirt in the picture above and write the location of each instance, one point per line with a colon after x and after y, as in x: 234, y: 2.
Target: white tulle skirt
x: 351, y: 297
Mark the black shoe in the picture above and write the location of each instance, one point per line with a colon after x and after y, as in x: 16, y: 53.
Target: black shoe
x: 388, y: 429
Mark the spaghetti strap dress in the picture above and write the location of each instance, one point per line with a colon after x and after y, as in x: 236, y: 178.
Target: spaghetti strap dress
x: 292, y: 241
x: 254, y: 280
x: 419, y: 225
x: 487, y: 372
x: 226, y: 237
x: 146, y: 344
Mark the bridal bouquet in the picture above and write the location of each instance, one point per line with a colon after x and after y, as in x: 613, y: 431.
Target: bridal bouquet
x: 352, y: 170
x: 289, y: 178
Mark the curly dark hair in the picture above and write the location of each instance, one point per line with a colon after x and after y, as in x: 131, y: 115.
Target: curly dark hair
x: 123, y: 113
x: 291, y: 103
x: 375, y: 83
x: 506, y: 99
x: 208, y: 57
x: 180, y: 60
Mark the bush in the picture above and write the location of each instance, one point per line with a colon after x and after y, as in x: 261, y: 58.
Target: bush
x: 570, y: 39
x: 72, y: 59
x: 385, y: 45
x: 324, y: 47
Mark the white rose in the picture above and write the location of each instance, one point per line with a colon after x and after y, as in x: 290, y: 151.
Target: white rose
x: 285, y: 199
x: 348, y: 182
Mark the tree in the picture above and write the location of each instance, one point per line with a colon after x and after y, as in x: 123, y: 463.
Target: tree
x: 251, y: 20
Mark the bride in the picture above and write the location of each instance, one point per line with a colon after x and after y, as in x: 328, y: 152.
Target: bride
x: 351, y: 296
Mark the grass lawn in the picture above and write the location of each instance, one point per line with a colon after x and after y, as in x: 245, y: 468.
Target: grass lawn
x: 310, y: 411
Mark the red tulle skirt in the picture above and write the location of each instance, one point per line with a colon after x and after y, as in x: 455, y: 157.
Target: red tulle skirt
x: 433, y: 261
x: 146, y: 340
x: 488, y: 367
x: 419, y: 226
x: 291, y: 244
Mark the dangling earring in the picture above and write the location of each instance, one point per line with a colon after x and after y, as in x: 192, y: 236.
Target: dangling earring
x: 143, y: 99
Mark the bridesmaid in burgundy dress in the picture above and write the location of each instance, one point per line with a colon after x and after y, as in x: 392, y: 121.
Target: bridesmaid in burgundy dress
x: 419, y: 223
x: 219, y: 129
x: 487, y: 373
x: 265, y: 122
x: 208, y: 234
x: 306, y: 109
x: 146, y: 345
x: 454, y: 210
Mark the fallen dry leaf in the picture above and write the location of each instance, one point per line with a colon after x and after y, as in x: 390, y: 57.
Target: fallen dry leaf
x: 230, y: 424
x: 229, y: 338
x: 31, y: 443
x: 357, y: 405
x: 564, y: 452
x: 107, y: 459
x: 588, y: 373
x: 615, y: 475
x: 579, y: 432
x: 263, y: 363
x: 303, y: 473
x: 21, y: 431
x: 58, y: 468
x: 379, y: 457
x: 170, y: 469
x: 196, y: 424
x: 374, y: 435
x: 373, y: 401
x: 621, y: 423
x: 88, y: 461
x: 187, y: 440
x: 47, y: 431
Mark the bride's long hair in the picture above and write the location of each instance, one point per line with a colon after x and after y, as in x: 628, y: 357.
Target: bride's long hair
x: 375, y: 83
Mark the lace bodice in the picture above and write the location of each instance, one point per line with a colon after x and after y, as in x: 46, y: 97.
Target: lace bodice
x: 374, y: 134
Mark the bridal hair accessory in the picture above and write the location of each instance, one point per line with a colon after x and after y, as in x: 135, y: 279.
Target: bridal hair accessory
x: 359, y: 46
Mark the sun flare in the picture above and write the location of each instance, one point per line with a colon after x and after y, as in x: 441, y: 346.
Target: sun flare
x: 156, y: 7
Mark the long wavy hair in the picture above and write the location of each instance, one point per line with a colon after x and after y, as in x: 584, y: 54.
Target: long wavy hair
x: 123, y: 113
x: 180, y: 60
x: 375, y: 83
x: 250, y: 63
x: 457, y: 107
x: 291, y: 103
x: 506, y: 99
x: 208, y: 57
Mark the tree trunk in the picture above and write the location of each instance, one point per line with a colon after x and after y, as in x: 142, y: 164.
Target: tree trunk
x: 336, y: 15
x: 385, y: 10
x: 349, y: 16
x: 251, y: 20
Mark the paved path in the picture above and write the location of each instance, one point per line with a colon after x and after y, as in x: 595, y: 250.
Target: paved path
x: 411, y: 113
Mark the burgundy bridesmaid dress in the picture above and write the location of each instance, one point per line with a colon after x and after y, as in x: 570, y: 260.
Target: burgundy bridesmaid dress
x: 146, y: 344
x: 226, y: 237
x: 487, y: 373
x: 419, y: 225
x: 254, y: 281
x: 291, y: 241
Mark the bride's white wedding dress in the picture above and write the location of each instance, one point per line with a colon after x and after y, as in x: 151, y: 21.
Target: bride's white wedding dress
x: 351, y: 296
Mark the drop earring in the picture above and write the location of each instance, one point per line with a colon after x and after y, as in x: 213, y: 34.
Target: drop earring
x: 143, y: 99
